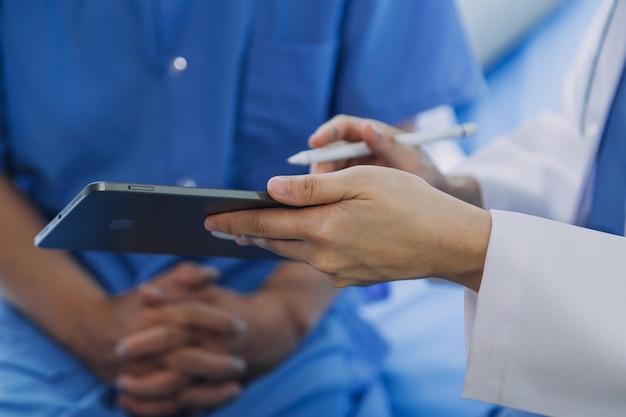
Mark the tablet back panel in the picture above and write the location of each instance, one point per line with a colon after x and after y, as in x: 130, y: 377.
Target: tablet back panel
x: 143, y: 218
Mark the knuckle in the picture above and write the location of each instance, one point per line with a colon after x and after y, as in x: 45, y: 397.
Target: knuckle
x: 340, y: 118
x: 148, y: 318
x: 338, y: 282
x: 259, y: 226
x: 225, y: 223
x: 186, y: 314
x: 370, y: 121
x: 324, y: 233
x: 171, y: 337
x: 308, y: 186
x: 186, y: 266
x: 341, y: 280
x: 173, y: 274
x: 180, y: 268
x: 181, y: 361
x: 174, y: 383
x: 324, y: 263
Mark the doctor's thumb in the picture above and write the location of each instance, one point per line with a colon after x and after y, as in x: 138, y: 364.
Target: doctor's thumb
x: 306, y: 190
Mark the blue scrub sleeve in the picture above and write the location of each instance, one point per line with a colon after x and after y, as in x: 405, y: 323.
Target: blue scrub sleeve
x: 3, y: 130
x: 412, y: 56
x: 3, y: 152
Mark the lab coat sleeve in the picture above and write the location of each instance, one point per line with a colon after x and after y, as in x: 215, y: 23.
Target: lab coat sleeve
x: 546, y: 331
x: 538, y: 169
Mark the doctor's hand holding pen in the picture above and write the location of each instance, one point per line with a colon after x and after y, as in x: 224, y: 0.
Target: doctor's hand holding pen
x: 387, y: 150
x: 367, y: 224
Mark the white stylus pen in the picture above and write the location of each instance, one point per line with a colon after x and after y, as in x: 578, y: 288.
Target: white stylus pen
x: 345, y: 150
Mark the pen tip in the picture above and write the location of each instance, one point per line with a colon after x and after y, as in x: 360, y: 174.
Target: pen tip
x: 298, y: 159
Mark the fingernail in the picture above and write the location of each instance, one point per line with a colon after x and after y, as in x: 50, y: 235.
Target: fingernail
x: 279, y: 185
x: 259, y: 241
x: 212, y: 274
x: 155, y: 291
x: 121, y: 382
x: 234, y: 391
x: 237, y: 365
x: 239, y: 325
x: 120, y: 350
x: 211, y: 226
x: 242, y: 240
x: 377, y: 131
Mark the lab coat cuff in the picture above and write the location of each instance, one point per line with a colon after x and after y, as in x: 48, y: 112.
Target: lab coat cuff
x: 491, y: 314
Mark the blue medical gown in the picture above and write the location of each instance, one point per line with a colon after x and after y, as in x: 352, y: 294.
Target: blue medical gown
x: 90, y: 92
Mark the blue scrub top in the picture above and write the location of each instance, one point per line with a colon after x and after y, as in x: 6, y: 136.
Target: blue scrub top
x: 209, y: 93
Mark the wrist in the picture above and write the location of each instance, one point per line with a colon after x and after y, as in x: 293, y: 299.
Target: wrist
x: 94, y: 334
x: 282, y: 313
x: 473, y: 250
x: 271, y: 336
x: 302, y: 294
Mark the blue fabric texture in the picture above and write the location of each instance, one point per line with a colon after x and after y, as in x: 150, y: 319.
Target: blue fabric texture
x: 423, y: 323
x: 89, y: 93
x: 609, y: 191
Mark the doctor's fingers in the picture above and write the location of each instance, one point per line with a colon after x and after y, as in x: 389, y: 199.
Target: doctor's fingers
x: 296, y: 250
x: 307, y: 223
x: 388, y: 152
x: 348, y: 128
x: 285, y: 224
x: 343, y: 282
x: 319, y: 189
x: 341, y: 270
x: 385, y: 150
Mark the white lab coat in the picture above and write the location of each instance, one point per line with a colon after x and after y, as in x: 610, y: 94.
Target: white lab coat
x: 546, y: 332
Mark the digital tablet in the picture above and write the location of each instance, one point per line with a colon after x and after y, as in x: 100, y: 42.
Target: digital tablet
x: 145, y: 218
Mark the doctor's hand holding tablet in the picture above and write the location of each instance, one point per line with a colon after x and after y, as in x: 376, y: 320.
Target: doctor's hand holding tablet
x: 372, y: 223
x: 368, y: 224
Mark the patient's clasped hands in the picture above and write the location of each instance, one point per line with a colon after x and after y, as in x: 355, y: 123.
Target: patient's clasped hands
x: 166, y: 349
x: 180, y: 343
